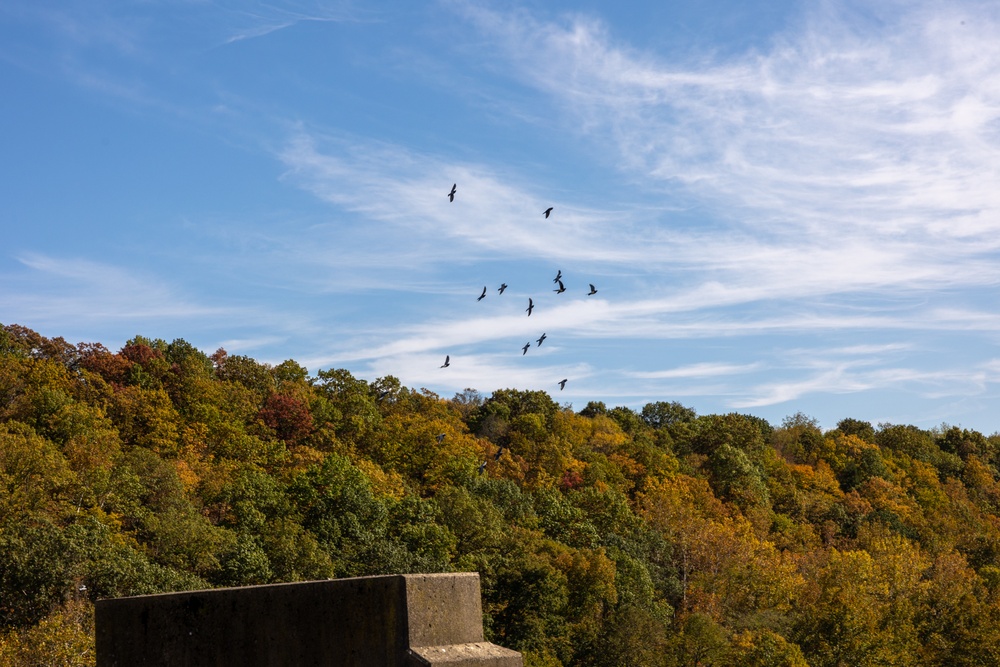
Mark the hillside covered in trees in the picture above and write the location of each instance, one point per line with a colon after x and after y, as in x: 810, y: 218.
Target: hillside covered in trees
x: 604, y: 537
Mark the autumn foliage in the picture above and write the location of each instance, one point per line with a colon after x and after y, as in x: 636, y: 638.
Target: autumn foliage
x: 603, y: 537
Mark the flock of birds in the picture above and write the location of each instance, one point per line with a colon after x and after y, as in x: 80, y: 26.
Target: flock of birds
x: 531, y: 306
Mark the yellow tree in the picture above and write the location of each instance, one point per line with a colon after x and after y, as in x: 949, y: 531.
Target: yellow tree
x: 64, y: 638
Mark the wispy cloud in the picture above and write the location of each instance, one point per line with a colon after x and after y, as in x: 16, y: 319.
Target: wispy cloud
x: 657, y: 320
x: 494, y: 218
x: 494, y: 214
x: 845, y: 378
x: 84, y: 290
x: 260, y: 19
x: 697, y: 371
x: 477, y: 370
x: 244, y: 345
x: 83, y: 24
x: 869, y: 145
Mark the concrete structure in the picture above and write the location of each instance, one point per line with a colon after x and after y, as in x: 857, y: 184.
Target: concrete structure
x: 392, y: 621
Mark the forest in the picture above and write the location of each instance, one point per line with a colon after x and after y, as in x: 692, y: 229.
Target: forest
x: 604, y: 537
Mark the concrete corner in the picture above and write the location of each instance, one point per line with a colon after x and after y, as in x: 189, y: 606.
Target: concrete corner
x: 443, y: 609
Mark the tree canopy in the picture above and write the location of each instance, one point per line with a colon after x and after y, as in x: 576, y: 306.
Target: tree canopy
x: 604, y: 537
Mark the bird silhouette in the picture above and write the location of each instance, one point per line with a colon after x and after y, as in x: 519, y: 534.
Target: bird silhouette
x: 562, y: 383
x: 531, y: 306
x: 558, y: 276
x: 496, y: 457
x: 547, y: 211
x: 439, y: 437
x: 543, y: 337
x: 562, y: 288
x: 524, y: 350
x: 483, y: 295
x: 593, y: 290
x: 502, y: 287
x: 447, y: 361
x: 482, y: 467
x: 454, y: 189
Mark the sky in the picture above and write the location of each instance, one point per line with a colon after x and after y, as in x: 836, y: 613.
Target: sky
x: 784, y: 206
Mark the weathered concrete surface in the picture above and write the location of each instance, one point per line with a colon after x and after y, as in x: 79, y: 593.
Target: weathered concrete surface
x: 391, y: 621
x: 476, y: 654
x: 443, y: 609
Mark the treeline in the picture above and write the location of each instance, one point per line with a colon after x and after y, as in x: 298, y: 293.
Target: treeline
x: 604, y: 537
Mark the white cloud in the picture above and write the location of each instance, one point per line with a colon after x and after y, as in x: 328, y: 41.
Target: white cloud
x: 261, y: 19
x: 866, y: 155
x: 493, y: 215
x: 695, y: 371
x: 825, y: 372
x: 478, y: 370
x: 83, y: 290
x: 244, y: 345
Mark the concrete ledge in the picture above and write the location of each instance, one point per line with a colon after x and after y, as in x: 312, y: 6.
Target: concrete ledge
x: 477, y: 654
x: 385, y: 621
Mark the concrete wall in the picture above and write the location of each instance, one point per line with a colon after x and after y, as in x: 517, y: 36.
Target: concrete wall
x: 391, y: 621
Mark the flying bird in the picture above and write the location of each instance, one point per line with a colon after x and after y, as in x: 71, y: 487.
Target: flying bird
x: 531, y: 306
x: 447, y: 361
x: 541, y: 339
x: 439, y: 437
x: 496, y: 457
x: 454, y: 189
x: 558, y: 276
x: 562, y: 383
x: 502, y: 287
x: 547, y: 211
x: 482, y: 467
x: 524, y: 350
x: 562, y: 288
x: 483, y: 295
x: 593, y: 290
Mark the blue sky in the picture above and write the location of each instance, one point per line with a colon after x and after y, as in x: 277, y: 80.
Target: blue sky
x: 785, y: 206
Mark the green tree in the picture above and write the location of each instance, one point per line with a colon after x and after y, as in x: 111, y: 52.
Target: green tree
x: 36, y: 570
x: 699, y: 642
x: 858, y: 428
x: 735, y: 478
x: 764, y: 648
x: 355, y: 413
x: 661, y: 414
x: 738, y: 431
